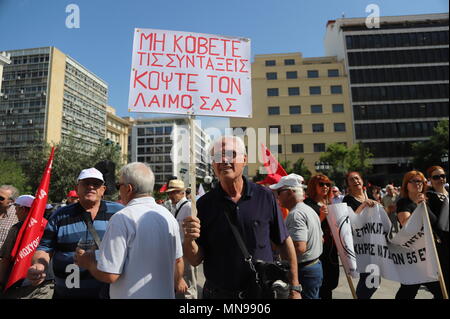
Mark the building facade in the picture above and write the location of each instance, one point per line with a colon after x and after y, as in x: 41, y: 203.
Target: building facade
x: 4, y: 60
x: 163, y: 143
x: 117, y: 130
x: 47, y: 96
x: 306, y: 100
x: 399, y: 82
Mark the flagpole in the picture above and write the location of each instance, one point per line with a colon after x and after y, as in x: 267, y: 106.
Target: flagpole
x: 192, y: 175
x: 440, y: 276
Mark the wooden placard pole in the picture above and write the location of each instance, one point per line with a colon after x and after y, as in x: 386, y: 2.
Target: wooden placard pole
x: 192, y: 175
x: 440, y: 276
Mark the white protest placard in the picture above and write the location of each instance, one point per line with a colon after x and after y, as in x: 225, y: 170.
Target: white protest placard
x: 339, y: 222
x: 407, y: 258
x: 190, y: 73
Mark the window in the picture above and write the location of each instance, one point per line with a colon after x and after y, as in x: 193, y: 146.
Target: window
x: 314, y: 90
x: 275, y: 127
x: 295, y: 109
x: 280, y: 148
x: 333, y: 73
x: 272, y: 92
x: 313, y: 74
x: 273, y: 110
x: 289, y: 62
x: 297, y: 148
x: 271, y: 75
x: 318, y: 128
x: 339, y: 127
x: 293, y: 91
x: 291, y: 74
x: 316, y: 108
x: 296, y: 128
x: 319, y: 147
x: 338, y: 108
x: 336, y: 89
x: 270, y: 63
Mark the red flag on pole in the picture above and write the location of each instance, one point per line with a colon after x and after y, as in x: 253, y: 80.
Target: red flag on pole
x: 32, y: 229
x: 274, y: 169
x: 163, y: 188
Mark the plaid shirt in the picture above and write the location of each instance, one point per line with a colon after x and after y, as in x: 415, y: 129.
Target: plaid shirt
x: 6, y: 221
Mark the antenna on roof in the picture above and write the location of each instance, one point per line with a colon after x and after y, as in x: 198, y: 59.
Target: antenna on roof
x: 343, y: 15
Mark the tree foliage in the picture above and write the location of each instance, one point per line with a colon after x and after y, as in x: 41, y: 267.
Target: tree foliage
x: 343, y: 159
x: 70, y: 158
x: 428, y: 153
x: 11, y: 173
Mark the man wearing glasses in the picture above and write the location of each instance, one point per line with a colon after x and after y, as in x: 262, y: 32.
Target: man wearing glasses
x: 253, y: 208
x: 8, y: 217
x: 64, y: 230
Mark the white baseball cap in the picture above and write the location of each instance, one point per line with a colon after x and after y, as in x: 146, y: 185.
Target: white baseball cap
x: 24, y: 200
x: 291, y: 180
x: 90, y: 173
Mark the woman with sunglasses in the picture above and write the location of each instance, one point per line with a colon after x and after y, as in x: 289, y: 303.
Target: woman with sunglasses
x: 357, y: 199
x: 412, y: 194
x: 319, y: 196
x: 436, y: 195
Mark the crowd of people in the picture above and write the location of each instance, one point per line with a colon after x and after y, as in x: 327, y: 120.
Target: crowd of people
x: 140, y: 248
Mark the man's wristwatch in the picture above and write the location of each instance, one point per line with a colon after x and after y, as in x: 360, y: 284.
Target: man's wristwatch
x: 297, y: 288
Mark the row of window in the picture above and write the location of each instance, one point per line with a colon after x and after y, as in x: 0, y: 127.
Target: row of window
x: 159, y: 130
x: 31, y: 59
x: 400, y: 92
x: 396, y: 40
x: 394, y: 130
x: 84, y: 78
x: 154, y: 150
x: 411, y: 74
x: 316, y: 128
x: 390, y: 149
x: 20, y: 75
x: 274, y: 62
x: 313, y: 90
x: 299, y: 148
x: 294, y: 74
x: 398, y: 57
x: 297, y: 109
x: 396, y: 111
x: 154, y: 140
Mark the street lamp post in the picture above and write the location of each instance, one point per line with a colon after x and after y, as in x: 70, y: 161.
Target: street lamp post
x: 322, y: 167
x: 208, y: 180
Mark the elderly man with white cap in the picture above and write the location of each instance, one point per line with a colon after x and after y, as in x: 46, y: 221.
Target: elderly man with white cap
x: 304, y: 228
x: 83, y: 221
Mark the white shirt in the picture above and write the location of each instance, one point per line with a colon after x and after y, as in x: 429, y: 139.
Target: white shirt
x: 184, y: 212
x: 141, y: 244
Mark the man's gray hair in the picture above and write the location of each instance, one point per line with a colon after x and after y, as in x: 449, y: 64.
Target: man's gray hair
x: 238, y: 144
x: 299, y: 193
x: 12, y: 189
x: 139, y: 175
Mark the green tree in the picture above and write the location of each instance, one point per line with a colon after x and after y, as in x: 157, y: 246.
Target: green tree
x: 428, y: 153
x: 300, y: 168
x: 70, y: 158
x: 12, y: 174
x: 343, y: 159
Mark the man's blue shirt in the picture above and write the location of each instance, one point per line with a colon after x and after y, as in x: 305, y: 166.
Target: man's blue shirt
x: 259, y: 221
x: 65, y: 228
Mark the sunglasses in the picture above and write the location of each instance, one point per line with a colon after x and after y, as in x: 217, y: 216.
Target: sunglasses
x: 322, y: 184
x: 95, y: 183
x: 438, y: 177
x: 118, y: 185
x: 2, y: 198
x: 282, y: 190
x: 416, y: 181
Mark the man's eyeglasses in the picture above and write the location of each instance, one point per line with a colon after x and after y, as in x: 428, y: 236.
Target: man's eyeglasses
x: 282, y: 190
x: 118, y: 185
x: 416, y: 181
x: 95, y: 183
x: 322, y: 184
x: 229, y: 155
x: 438, y: 177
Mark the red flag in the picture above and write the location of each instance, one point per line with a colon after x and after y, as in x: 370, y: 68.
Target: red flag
x: 32, y: 229
x: 274, y: 169
x: 163, y: 188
